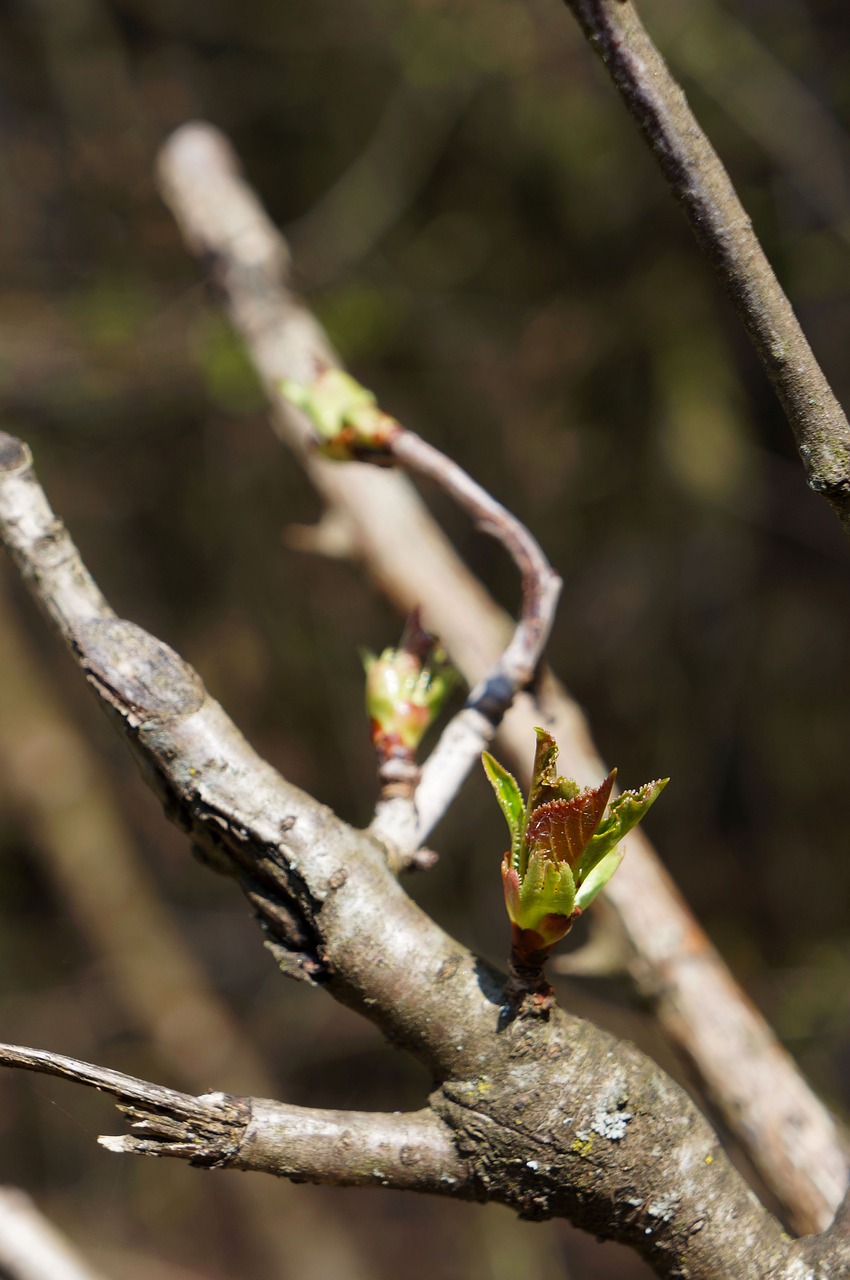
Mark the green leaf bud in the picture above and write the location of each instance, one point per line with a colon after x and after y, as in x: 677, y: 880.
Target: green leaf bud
x: 405, y: 690
x: 563, y: 848
x: 349, y: 425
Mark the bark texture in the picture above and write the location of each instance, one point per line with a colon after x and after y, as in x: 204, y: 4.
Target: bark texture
x: 531, y: 1107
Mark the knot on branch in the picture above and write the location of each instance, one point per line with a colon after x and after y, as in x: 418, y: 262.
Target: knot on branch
x: 140, y: 676
x: 14, y: 454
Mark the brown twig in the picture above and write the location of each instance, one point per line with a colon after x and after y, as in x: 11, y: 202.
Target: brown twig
x: 472, y: 729
x: 725, y: 234
x: 783, y: 1126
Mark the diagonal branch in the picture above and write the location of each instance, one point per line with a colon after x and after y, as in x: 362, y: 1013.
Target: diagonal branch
x: 725, y: 234
x: 785, y: 1129
x: 322, y: 891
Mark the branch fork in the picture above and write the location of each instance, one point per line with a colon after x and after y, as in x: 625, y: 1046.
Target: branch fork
x: 516, y: 1100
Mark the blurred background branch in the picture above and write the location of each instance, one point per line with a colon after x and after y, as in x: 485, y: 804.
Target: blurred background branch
x: 30, y: 1248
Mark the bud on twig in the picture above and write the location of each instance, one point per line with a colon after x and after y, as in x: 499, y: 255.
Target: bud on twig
x: 563, y: 849
x: 405, y: 689
x: 348, y: 423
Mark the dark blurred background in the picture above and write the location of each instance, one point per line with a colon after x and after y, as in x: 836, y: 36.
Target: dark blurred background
x: 481, y: 230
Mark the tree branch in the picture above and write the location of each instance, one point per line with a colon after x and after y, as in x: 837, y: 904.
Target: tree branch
x: 547, y: 1114
x: 472, y: 729
x: 296, y: 862
x: 786, y: 1130
x: 700, y: 183
x: 305, y: 1144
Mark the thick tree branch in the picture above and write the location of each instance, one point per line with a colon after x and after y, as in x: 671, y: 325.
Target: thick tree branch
x: 51, y: 778
x: 700, y: 183
x: 548, y: 1114
x: 786, y: 1130
x: 296, y: 862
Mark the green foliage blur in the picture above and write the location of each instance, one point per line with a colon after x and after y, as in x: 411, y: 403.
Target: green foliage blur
x: 476, y: 222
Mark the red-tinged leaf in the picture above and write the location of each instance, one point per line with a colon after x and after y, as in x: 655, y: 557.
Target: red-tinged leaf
x: 546, y: 785
x: 625, y: 812
x: 562, y: 829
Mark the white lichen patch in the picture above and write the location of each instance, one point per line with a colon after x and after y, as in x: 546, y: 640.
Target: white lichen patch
x: 611, y: 1124
x: 663, y: 1208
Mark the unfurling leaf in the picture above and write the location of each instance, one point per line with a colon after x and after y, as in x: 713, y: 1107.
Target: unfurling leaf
x: 509, y: 797
x: 625, y: 812
x: 596, y: 881
x: 349, y: 425
x: 563, y: 849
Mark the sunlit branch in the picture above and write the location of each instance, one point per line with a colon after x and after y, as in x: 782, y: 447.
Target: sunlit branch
x: 343, y: 1148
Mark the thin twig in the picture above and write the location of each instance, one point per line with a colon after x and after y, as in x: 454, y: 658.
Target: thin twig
x: 473, y: 728
x: 725, y: 234
x: 783, y: 1126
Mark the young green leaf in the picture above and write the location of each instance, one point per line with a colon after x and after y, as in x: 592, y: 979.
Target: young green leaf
x: 598, y: 878
x: 510, y: 800
x: 624, y: 813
